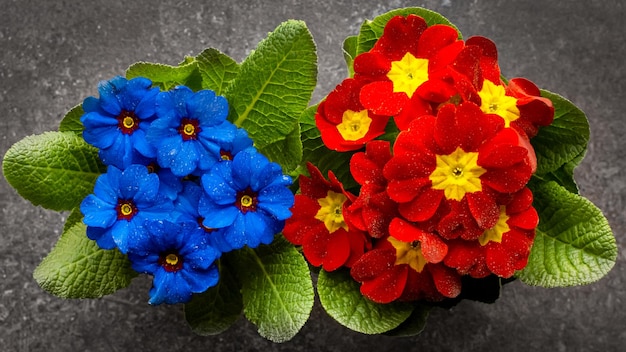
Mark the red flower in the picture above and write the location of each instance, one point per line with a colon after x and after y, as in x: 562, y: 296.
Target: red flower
x: 372, y: 210
x: 460, y: 155
x: 406, y: 266
x: 343, y: 122
x: 319, y: 226
x: 505, y: 247
x: 406, y: 60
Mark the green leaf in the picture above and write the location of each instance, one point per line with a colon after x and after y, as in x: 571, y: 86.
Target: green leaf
x: 218, y: 308
x: 55, y: 169
x: 565, y: 140
x: 71, y: 121
x: 315, y: 151
x: 342, y: 300
x: 564, y: 175
x: 77, y: 268
x: 372, y: 30
x: 350, y: 45
x: 415, y: 323
x: 276, y: 286
x: 287, y: 151
x: 574, y: 244
x: 216, y: 69
x: 274, y: 86
x: 166, y: 76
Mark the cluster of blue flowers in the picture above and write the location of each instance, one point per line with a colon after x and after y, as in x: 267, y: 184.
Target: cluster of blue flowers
x: 183, y: 184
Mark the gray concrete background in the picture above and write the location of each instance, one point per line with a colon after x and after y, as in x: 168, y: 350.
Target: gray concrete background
x: 53, y: 53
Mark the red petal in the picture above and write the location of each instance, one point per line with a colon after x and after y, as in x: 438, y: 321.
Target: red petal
x: 388, y: 286
x: 331, y: 251
x: 380, y: 98
x: 416, y: 108
x: 422, y: 207
x: 489, y: 58
x: 372, y: 264
x: 400, y: 36
x: 433, y: 248
x: 483, y: 208
x: 435, y: 38
x: 372, y: 66
x: 447, y: 281
x: 404, y: 231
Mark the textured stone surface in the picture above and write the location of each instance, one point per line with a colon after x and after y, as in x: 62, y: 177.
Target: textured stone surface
x: 53, y: 53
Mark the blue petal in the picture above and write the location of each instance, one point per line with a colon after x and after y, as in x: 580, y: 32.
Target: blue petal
x: 209, y: 109
x: 97, y: 212
x: 217, y: 187
x: 257, y: 229
x: 276, y: 200
x: 140, y: 143
x: 184, y: 159
x: 91, y: 104
x: 235, y: 234
x: 108, y: 97
x: 170, y: 288
x: 147, y: 264
x: 216, y: 216
x: 102, y: 237
x: 120, y: 232
x: 200, y: 280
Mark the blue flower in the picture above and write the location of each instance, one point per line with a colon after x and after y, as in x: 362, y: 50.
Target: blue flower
x: 120, y: 205
x: 189, y: 129
x: 117, y: 122
x: 249, y: 197
x: 180, y: 260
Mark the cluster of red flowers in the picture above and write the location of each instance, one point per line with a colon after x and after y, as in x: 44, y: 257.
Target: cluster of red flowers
x: 449, y: 198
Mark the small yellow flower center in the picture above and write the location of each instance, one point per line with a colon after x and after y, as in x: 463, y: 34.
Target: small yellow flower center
x: 354, y: 125
x: 128, y: 122
x: 246, y: 201
x: 331, y: 211
x: 126, y: 209
x: 495, y: 101
x: 408, y: 253
x: 457, y: 173
x: 408, y: 74
x: 189, y: 129
x: 495, y: 233
x: 171, y: 259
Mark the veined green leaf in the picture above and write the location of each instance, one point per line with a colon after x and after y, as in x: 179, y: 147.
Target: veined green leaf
x: 565, y: 140
x: 215, y: 310
x: 216, y: 69
x: 166, y: 76
x: 55, y: 169
x: 350, y: 45
x: 274, y: 85
x: 71, y: 120
x: 414, y: 324
x: 574, y: 244
x: 342, y: 300
x: 287, y: 151
x: 77, y: 268
x: 276, y: 287
x: 372, y: 30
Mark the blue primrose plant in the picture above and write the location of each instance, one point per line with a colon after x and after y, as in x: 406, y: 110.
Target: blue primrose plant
x: 172, y: 171
x: 186, y: 173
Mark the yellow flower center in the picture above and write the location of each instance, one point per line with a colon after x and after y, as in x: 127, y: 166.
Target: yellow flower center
x: 495, y: 233
x: 354, y: 125
x: 189, y: 129
x: 495, y: 101
x: 331, y: 211
x: 246, y: 201
x: 126, y: 209
x: 408, y: 253
x: 457, y: 173
x: 171, y: 259
x: 408, y: 74
x: 128, y: 122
